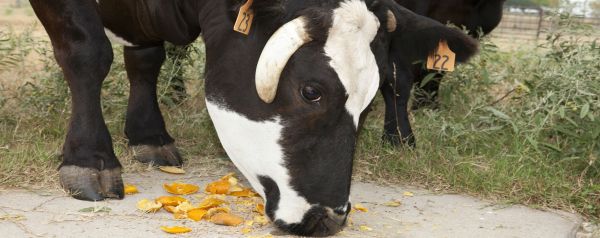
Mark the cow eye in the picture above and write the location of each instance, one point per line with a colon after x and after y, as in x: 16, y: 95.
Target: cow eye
x: 311, y: 94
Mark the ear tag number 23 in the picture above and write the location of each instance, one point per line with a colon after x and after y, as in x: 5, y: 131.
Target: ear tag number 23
x: 442, y: 59
x: 244, y: 19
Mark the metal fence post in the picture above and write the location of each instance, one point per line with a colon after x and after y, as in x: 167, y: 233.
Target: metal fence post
x: 540, y: 22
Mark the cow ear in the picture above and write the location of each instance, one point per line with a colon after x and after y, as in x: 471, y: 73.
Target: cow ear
x: 381, y: 10
x: 415, y: 37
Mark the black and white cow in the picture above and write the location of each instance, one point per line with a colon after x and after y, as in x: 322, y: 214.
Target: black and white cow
x: 477, y: 16
x: 286, y: 100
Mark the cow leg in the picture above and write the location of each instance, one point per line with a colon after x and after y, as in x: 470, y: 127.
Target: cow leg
x: 429, y: 92
x: 396, y: 93
x: 145, y: 127
x: 90, y: 169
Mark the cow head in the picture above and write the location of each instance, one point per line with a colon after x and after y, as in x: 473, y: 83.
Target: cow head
x: 315, y: 76
x: 411, y: 37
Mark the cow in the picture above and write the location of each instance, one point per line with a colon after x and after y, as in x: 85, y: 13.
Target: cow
x: 476, y: 16
x: 286, y: 100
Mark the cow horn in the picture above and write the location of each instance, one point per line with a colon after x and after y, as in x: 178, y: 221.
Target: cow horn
x: 278, y: 50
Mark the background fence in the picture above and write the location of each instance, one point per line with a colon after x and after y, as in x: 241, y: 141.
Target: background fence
x: 533, y: 24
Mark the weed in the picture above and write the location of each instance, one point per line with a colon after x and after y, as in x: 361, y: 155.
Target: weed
x: 520, y: 126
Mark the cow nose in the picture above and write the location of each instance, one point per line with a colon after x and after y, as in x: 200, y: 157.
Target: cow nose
x: 319, y: 221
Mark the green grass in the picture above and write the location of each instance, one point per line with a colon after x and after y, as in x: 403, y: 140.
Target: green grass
x: 516, y: 126
x: 519, y: 126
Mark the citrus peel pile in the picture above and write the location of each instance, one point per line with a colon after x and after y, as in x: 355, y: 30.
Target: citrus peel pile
x: 216, y: 205
x: 228, y: 185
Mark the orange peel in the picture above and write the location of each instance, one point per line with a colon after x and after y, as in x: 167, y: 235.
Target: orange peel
x: 196, y: 214
x: 175, y: 229
x: 226, y: 219
x: 215, y: 210
x: 262, y: 220
x: 211, y: 202
x: 171, y: 200
x: 260, y: 208
x: 361, y: 208
x: 171, y: 169
x: 224, y: 185
x: 148, y: 206
x: 180, y: 188
x: 178, y: 215
x: 245, y: 192
x: 184, y: 206
x: 130, y: 189
x: 218, y: 187
x: 246, y: 230
x: 171, y: 209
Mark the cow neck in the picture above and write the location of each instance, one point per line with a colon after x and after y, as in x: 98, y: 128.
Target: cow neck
x: 231, y: 59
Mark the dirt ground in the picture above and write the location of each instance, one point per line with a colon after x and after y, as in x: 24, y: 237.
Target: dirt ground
x: 50, y: 213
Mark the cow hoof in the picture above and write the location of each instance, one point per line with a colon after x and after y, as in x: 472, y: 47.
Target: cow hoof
x: 166, y: 155
x: 396, y: 141
x: 90, y: 184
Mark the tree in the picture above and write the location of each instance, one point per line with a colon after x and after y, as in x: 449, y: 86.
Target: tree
x: 595, y: 7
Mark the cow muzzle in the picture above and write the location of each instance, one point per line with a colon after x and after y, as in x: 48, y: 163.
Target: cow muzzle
x: 319, y: 221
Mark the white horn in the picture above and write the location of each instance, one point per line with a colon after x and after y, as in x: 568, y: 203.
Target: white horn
x: 278, y: 50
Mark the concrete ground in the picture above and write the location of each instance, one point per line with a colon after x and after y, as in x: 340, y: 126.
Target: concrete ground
x: 420, y: 214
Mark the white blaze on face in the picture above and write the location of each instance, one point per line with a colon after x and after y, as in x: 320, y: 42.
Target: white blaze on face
x: 349, y: 47
x: 255, y: 150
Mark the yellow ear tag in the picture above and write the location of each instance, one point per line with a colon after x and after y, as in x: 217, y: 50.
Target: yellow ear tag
x: 244, y: 19
x: 442, y: 59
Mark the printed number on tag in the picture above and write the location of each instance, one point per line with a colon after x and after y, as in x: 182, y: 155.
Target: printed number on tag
x: 244, y: 19
x: 442, y: 59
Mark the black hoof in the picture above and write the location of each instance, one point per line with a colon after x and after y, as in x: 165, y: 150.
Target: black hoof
x: 90, y: 184
x: 166, y: 155
x: 396, y: 141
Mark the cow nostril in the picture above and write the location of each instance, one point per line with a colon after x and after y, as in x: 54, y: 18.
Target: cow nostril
x: 343, y: 210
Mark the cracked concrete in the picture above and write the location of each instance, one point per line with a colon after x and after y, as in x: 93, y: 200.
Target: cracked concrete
x: 53, y: 214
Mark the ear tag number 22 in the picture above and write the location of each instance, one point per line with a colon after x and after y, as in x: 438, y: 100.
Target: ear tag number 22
x: 442, y: 59
x: 244, y: 19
